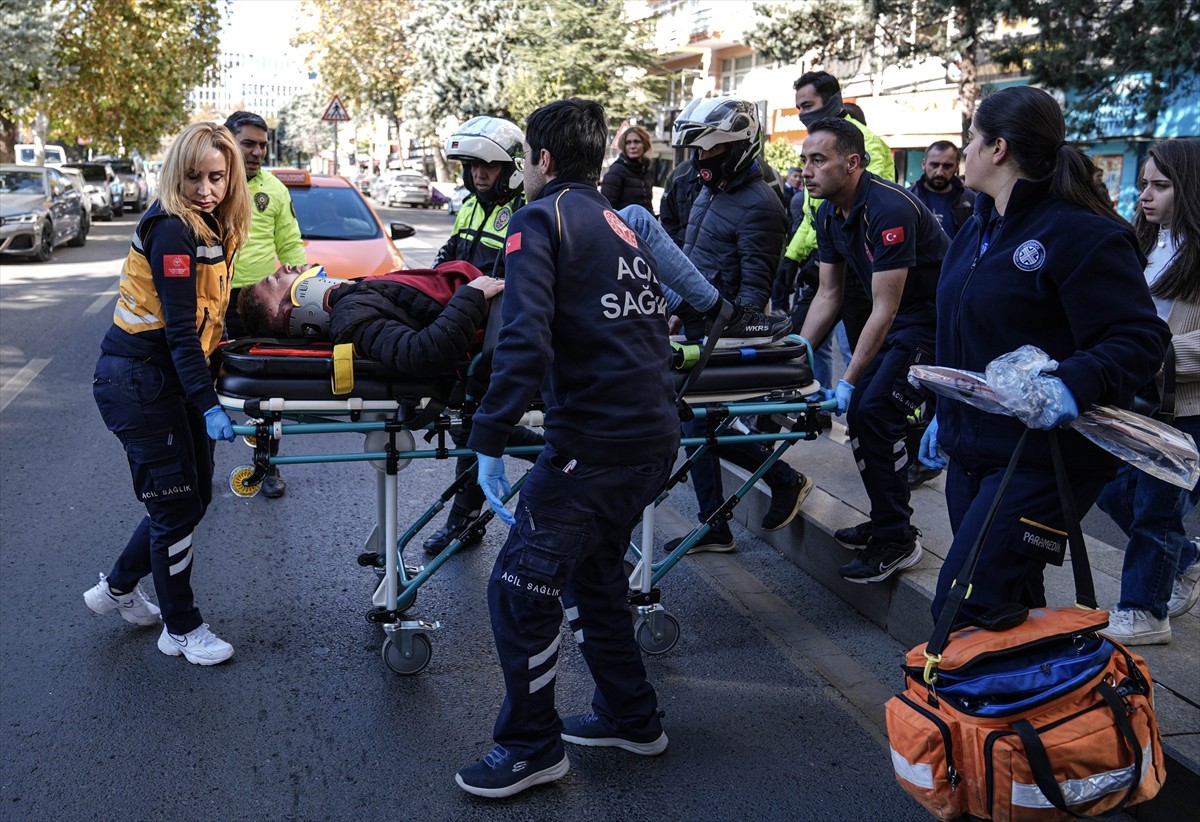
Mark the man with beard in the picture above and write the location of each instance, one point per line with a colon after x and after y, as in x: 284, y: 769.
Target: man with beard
x: 941, y: 189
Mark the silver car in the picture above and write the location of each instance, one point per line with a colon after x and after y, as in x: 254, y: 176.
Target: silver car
x: 410, y: 188
x: 97, y: 183
x: 40, y: 209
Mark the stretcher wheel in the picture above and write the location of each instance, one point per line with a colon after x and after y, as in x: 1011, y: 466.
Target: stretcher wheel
x: 422, y: 649
x: 657, y: 645
x: 250, y: 439
x: 236, y: 478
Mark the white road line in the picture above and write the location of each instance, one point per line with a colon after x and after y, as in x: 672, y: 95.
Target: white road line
x: 12, y: 389
x: 101, y: 302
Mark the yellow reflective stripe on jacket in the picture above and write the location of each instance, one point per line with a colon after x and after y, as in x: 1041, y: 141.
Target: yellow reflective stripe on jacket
x: 138, y: 308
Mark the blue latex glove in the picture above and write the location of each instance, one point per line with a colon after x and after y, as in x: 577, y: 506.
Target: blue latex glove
x: 495, y: 485
x: 218, y: 424
x: 1061, y: 408
x: 930, y: 454
x: 842, y: 394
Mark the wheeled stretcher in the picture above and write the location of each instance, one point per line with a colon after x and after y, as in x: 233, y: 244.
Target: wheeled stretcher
x: 290, y: 389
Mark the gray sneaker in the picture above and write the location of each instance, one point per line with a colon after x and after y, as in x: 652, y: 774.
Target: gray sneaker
x: 133, y: 607
x: 1131, y: 626
x: 1185, y: 591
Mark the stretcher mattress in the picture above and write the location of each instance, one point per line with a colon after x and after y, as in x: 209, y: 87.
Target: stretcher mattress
x: 300, y: 370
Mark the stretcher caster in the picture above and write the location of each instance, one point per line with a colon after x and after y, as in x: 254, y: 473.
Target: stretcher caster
x: 414, y: 661
x: 657, y: 633
x: 237, y: 478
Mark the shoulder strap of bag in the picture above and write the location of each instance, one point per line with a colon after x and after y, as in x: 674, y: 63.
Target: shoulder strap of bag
x: 1085, y: 593
x: 1166, y: 408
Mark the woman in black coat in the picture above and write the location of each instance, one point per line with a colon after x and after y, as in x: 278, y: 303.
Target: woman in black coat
x: 630, y: 179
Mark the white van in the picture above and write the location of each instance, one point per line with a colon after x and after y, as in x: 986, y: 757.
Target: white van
x: 27, y: 154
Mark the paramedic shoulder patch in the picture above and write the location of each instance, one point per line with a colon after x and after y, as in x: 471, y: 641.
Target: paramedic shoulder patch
x: 261, y: 201
x: 620, y: 229
x: 176, y: 265
x: 1038, y: 541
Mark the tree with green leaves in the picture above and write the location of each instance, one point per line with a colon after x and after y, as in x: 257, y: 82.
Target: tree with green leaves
x: 1102, y: 48
x: 134, y: 63
x: 29, y: 65
x: 569, y: 48
x: 362, y: 50
x: 301, y: 131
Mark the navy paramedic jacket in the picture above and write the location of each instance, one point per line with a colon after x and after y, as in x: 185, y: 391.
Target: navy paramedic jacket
x: 886, y: 228
x: 585, y: 320
x: 1058, y: 277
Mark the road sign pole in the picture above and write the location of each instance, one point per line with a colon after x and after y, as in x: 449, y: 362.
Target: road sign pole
x: 335, y: 148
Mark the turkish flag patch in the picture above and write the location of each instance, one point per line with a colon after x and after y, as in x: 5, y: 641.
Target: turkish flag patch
x: 892, y: 236
x: 176, y: 265
x: 513, y: 243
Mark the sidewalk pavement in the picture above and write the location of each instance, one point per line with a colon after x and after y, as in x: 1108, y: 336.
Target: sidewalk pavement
x: 900, y: 604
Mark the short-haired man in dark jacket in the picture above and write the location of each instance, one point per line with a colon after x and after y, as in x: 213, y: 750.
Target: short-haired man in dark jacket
x: 735, y: 234
x: 585, y: 320
x: 941, y: 189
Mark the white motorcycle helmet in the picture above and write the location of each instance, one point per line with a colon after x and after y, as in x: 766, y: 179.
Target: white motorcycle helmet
x: 711, y: 121
x: 490, y: 140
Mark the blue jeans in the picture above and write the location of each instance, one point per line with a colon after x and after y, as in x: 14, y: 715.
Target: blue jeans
x: 681, y: 281
x: 1151, y: 513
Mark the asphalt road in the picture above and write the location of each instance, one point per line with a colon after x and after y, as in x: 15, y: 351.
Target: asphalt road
x: 772, y: 695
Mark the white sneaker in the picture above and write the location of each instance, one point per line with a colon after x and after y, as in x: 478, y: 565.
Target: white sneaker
x: 133, y: 607
x: 1131, y: 626
x: 1185, y: 591
x: 200, y: 646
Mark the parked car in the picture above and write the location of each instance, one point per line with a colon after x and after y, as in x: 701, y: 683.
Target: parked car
x: 27, y: 154
x: 98, y: 182
x: 411, y: 189
x: 382, y: 184
x: 340, y: 229
x: 40, y: 210
x: 133, y: 176
x: 77, y: 182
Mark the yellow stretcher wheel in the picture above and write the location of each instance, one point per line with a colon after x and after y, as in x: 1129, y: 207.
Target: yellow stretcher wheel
x: 237, y: 478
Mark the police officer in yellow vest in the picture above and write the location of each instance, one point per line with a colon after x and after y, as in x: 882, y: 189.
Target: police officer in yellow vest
x: 274, y: 233
x: 490, y: 150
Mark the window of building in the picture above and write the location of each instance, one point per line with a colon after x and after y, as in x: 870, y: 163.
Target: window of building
x: 733, y: 73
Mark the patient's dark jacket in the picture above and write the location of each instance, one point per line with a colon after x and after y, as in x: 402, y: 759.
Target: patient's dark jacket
x: 418, y: 323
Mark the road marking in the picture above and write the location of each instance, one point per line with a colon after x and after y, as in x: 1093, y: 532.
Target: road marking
x: 13, y: 388
x: 100, y: 302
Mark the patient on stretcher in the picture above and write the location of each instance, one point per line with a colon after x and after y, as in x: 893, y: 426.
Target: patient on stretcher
x: 422, y: 322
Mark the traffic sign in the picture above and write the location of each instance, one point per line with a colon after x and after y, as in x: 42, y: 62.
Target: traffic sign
x: 336, y: 111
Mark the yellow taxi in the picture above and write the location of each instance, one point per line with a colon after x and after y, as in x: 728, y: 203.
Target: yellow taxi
x: 340, y: 229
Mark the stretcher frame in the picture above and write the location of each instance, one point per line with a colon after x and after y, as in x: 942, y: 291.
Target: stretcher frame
x: 388, y: 427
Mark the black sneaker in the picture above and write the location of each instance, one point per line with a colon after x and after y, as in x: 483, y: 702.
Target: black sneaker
x: 918, y: 474
x: 500, y: 774
x: 855, y: 537
x: 749, y: 328
x: 882, y: 559
x: 786, y: 502
x: 591, y: 729
x: 451, y: 531
x: 717, y: 541
x: 273, y: 486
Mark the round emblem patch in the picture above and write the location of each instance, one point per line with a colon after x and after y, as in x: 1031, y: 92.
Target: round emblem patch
x: 261, y: 201
x: 1029, y: 255
x: 501, y: 219
x: 623, y: 231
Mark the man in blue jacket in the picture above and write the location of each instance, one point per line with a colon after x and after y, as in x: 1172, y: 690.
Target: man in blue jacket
x: 941, y: 189
x: 877, y: 231
x: 586, y: 319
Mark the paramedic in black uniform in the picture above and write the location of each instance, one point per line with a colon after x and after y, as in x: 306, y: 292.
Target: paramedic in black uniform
x: 882, y: 234
x: 586, y: 320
